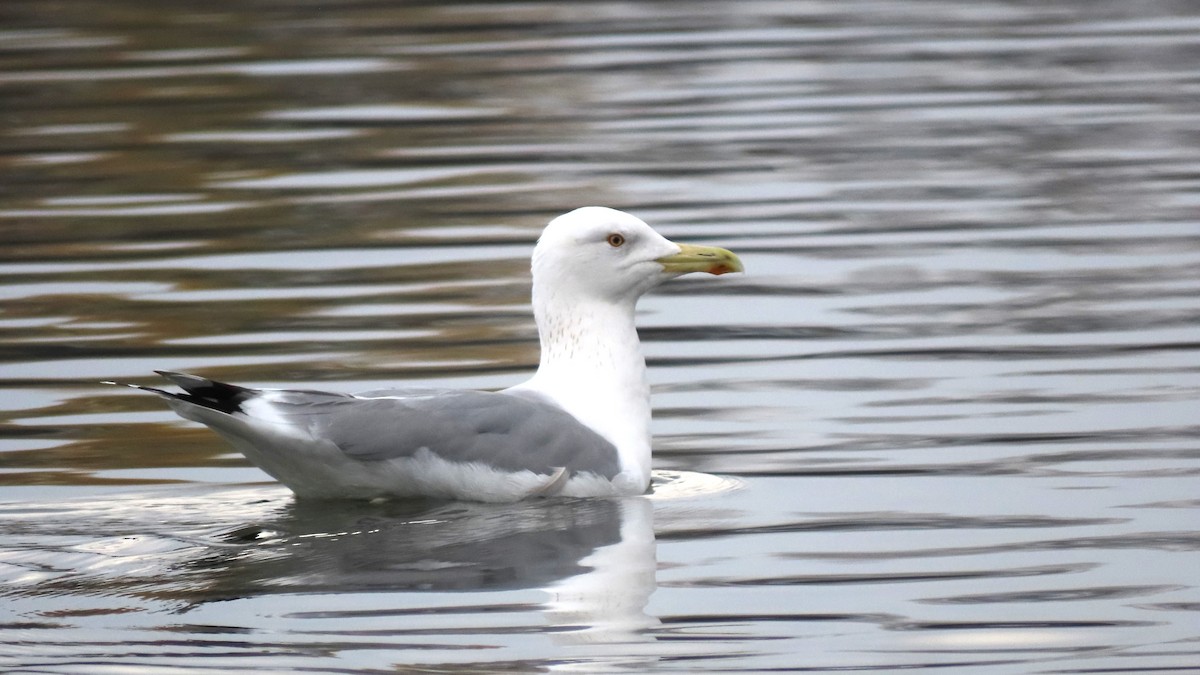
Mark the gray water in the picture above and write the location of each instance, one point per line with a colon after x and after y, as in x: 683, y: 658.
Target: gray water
x: 948, y: 420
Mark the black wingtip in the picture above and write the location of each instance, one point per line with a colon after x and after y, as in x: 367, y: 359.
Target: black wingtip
x: 226, y: 398
x: 219, y: 396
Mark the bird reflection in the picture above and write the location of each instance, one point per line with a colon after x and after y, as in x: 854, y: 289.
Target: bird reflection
x: 594, y: 557
x: 607, y: 602
x: 179, y: 552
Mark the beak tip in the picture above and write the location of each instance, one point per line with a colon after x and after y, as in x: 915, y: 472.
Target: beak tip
x: 728, y: 264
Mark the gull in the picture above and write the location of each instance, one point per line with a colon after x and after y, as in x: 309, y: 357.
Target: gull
x: 580, y: 427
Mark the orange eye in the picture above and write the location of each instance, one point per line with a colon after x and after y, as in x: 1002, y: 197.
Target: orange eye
x: 615, y: 240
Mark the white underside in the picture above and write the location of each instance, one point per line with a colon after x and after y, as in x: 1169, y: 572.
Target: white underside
x: 317, y: 468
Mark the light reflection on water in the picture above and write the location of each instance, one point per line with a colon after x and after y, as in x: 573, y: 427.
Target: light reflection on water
x: 948, y: 418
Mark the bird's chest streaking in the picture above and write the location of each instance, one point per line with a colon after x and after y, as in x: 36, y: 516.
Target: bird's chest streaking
x: 592, y: 367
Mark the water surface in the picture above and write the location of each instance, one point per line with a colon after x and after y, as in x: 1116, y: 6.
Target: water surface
x: 948, y: 419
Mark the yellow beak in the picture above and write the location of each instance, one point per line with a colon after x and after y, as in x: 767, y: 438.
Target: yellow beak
x: 701, y: 259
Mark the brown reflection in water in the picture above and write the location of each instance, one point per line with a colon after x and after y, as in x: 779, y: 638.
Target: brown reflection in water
x: 111, y: 448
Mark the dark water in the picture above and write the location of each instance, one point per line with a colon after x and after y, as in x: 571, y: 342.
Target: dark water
x: 950, y: 419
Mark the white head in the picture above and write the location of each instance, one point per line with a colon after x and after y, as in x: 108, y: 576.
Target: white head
x: 597, y: 253
x: 589, y: 268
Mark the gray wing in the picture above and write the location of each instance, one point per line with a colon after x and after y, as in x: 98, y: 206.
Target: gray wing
x: 496, y: 429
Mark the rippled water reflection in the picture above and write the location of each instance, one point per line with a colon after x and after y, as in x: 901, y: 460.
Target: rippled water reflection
x: 948, y: 420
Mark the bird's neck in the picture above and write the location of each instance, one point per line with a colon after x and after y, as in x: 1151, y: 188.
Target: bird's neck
x: 592, y: 366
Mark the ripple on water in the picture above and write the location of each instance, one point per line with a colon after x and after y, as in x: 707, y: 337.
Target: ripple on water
x: 667, y: 485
